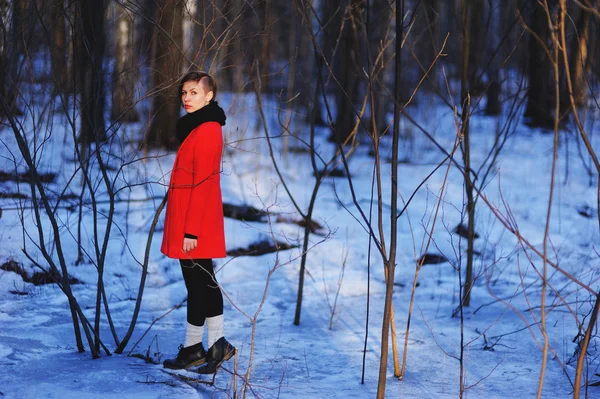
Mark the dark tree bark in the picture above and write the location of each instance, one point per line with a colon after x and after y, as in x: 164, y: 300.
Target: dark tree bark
x: 124, y: 75
x: 332, y: 16
x: 225, y: 38
x: 496, y: 24
x: 266, y: 34
x: 58, y: 47
x: 539, y: 93
x: 91, y: 54
x: 429, y: 21
x: 167, y: 61
x: 144, y: 29
x: 222, y: 27
x: 10, y: 29
x: 466, y: 82
x: 237, y: 58
x: 346, y: 20
x: 477, y: 38
x: 208, y: 27
x: 379, y: 30
x: 305, y: 81
x: 493, y: 105
x: 75, y: 47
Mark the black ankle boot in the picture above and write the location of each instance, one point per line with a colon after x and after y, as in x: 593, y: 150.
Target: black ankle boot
x: 217, y: 354
x: 194, y: 355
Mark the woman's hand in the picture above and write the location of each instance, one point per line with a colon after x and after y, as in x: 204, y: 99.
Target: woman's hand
x: 189, y: 244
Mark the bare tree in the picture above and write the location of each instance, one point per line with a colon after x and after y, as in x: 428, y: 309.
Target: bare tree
x: 468, y: 31
x: 390, y: 263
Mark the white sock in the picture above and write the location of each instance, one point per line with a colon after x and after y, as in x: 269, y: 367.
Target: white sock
x: 193, y: 334
x: 215, y: 329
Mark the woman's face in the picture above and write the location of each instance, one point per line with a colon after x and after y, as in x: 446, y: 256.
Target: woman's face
x: 194, y: 96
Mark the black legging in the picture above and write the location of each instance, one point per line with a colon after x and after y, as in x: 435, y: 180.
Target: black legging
x: 204, y: 296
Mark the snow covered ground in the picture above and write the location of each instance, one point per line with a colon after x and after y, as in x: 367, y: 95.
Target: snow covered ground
x: 502, y: 354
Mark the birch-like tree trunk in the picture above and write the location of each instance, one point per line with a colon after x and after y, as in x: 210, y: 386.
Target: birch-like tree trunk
x: 190, y: 38
x: 124, y: 76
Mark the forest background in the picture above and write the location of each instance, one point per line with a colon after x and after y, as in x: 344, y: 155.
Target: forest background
x: 347, y: 72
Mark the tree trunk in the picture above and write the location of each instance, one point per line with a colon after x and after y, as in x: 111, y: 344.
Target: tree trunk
x: 265, y: 40
x: 58, y: 49
x: 207, y: 46
x: 223, y: 30
x: 124, y: 77
x: 144, y: 29
x: 493, y: 106
x: 190, y: 40
x: 167, y: 61
x: 230, y: 61
x: 91, y: 30
x: 466, y: 80
x: 292, y: 64
x: 539, y: 93
x: 74, y: 47
x: 305, y: 82
x: 10, y: 16
x: 379, y: 28
x: 333, y: 13
x: 477, y: 39
x: 348, y: 71
x: 429, y: 47
x: 578, y: 58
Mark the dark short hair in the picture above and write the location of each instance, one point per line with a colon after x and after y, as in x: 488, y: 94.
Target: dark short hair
x: 208, y: 82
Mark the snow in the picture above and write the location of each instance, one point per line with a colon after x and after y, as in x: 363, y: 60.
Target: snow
x: 502, y: 344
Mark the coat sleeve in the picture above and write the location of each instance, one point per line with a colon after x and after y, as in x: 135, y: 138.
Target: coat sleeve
x: 205, y: 170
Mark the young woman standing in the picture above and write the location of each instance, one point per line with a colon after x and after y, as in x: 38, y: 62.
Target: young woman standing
x: 194, y: 231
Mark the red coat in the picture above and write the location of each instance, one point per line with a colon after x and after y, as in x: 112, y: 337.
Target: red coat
x: 194, y: 204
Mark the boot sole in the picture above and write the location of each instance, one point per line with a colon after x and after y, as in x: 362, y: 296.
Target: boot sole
x: 197, y: 363
x: 228, y: 356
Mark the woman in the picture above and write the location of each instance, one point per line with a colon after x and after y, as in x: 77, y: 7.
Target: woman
x: 194, y: 231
